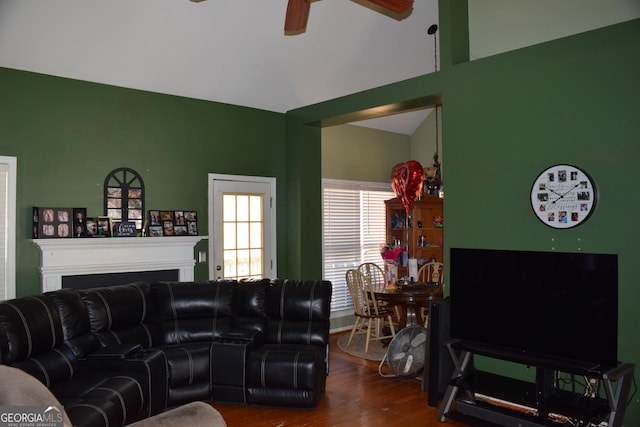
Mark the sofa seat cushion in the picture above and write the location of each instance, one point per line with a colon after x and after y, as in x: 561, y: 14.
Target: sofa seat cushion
x: 286, y: 375
x: 95, y: 400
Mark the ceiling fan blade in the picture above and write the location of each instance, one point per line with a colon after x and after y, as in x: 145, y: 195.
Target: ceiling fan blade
x: 397, y: 6
x: 297, y: 15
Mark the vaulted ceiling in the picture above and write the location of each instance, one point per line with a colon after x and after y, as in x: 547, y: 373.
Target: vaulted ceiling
x: 229, y: 51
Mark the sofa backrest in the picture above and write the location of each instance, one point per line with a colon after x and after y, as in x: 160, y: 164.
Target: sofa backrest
x: 189, y: 311
x: 74, y: 318
x: 298, y: 312
x: 121, y: 314
x: 249, y: 304
x: 31, y: 338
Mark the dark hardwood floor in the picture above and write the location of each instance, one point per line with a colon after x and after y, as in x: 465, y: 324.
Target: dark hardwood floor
x: 355, y: 396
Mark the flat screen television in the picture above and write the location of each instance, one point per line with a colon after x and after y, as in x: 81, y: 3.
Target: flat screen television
x: 553, y: 305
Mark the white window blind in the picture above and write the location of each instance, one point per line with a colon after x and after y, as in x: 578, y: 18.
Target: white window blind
x: 353, y: 223
x: 7, y: 226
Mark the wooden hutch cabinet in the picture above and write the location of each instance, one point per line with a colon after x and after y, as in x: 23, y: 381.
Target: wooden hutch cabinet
x: 424, y: 232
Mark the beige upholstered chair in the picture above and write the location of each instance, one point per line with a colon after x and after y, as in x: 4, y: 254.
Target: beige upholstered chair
x: 18, y: 388
x: 370, y: 317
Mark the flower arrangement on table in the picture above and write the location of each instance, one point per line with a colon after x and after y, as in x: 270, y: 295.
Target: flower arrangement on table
x: 390, y: 254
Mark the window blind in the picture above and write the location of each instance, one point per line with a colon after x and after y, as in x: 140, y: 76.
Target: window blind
x: 353, y: 225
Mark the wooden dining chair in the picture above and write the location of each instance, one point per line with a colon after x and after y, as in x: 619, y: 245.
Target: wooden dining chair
x: 371, y: 318
x: 431, y: 272
x: 375, y: 275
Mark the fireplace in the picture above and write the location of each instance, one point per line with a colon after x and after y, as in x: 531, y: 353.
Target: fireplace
x: 67, y: 262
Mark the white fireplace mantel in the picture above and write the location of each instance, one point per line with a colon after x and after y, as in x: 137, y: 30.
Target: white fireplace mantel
x: 72, y: 257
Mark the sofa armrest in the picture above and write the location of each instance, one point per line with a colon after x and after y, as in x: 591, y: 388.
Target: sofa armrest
x: 240, y: 336
x: 148, y: 367
x: 115, y: 352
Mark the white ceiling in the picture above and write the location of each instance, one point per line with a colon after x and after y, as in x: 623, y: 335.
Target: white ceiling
x: 229, y: 51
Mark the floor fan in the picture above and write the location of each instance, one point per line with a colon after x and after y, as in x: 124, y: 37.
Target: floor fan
x: 406, y: 353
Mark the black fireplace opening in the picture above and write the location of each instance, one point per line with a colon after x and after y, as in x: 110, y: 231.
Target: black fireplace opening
x: 87, y: 281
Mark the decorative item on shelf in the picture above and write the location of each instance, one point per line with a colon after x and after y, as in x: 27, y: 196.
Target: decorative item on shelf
x: 124, y: 195
x: 432, y: 177
x: 438, y: 221
x: 79, y: 222
x: 103, y: 226
x: 173, y: 223
x: 398, y: 220
x: 124, y: 229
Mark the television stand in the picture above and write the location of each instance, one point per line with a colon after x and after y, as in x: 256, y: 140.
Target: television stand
x: 485, y: 399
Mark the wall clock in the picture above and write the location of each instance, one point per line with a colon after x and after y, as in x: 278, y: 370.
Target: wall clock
x: 563, y: 196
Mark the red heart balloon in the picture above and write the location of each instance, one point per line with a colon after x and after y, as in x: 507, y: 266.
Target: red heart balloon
x: 406, y: 181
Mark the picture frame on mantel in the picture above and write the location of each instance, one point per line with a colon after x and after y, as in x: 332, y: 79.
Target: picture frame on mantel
x: 191, y: 221
x: 173, y: 223
x: 103, y: 226
x: 155, y: 231
x: 52, y: 223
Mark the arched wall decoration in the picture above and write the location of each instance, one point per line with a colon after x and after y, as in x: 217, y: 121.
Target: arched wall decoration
x: 124, y: 196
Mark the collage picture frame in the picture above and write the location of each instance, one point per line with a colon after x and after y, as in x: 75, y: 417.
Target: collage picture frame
x: 173, y: 223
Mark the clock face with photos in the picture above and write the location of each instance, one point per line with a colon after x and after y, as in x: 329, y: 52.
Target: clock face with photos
x: 563, y: 196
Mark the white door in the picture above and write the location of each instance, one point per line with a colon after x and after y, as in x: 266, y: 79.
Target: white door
x: 8, y: 167
x: 242, y: 224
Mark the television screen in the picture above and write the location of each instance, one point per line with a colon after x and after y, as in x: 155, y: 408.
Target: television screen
x: 545, y: 304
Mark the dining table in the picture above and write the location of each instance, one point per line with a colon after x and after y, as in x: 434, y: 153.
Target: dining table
x: 410, y: 298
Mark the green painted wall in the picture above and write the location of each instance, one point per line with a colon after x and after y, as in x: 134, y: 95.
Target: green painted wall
x: 68, y: 135
x: 506, y: 118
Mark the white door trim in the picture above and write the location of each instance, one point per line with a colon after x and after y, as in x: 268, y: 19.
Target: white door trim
x: 270, y: 228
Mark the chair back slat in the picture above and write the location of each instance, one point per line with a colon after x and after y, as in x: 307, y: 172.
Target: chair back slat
x: 431, y: 272
x: 374, y: 274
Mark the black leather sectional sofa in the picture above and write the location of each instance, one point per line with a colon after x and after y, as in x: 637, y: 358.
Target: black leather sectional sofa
x: 113, y: 355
